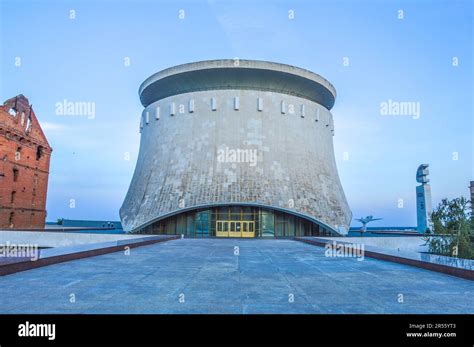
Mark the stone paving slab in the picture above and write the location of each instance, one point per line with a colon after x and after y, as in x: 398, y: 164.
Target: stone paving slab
x: 268, y: 276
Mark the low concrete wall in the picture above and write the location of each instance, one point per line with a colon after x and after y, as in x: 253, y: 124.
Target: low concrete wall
x: 463, y: 268
x: 64, y: 254
x: 402, y: 243
x: 59, y: 239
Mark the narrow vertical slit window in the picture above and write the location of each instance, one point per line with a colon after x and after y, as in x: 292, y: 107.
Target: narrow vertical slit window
x: 11, y: 219
x: 157, y: 113
x: 39, y: 152
x: 15, y: 174
x: 236, y: 103
x: 213, y: 104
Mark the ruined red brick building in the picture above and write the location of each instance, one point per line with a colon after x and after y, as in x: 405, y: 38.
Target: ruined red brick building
x: 24, y: 166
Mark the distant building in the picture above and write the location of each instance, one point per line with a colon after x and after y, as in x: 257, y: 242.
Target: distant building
x: 24, y: 166
x: 472, y: 192
x: 74, y: 223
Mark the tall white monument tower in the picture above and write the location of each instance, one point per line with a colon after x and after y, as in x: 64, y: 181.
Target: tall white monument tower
x: 423, y: 200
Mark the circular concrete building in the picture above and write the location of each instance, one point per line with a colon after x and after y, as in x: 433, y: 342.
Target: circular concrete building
x: 236, y: 149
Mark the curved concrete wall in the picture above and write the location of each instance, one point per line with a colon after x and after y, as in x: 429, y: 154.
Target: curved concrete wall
x: 181, y: 163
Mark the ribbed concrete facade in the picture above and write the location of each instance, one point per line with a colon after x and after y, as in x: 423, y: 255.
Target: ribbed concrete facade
x: 278, y: 112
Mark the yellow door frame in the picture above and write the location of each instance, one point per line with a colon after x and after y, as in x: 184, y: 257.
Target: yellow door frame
x: 235, y: 228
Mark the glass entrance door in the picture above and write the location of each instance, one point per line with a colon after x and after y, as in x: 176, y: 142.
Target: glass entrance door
x: 202, y: 224
x: 235, y: 228
x: 248, y: 229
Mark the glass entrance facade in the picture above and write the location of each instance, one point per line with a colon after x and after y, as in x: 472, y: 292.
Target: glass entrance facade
x: 236, y: 221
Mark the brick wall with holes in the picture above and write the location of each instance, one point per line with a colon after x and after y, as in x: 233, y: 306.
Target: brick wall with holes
x: 24, y: 166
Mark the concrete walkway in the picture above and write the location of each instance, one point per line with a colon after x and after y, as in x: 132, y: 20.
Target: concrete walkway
x: 206, y: 276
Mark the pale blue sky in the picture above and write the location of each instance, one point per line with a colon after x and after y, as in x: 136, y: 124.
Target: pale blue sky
x: 402, y: 60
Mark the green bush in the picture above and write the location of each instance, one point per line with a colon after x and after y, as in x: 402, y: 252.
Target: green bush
x: 453, y: 227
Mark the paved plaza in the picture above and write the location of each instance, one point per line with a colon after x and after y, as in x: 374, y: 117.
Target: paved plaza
x: 232, y: 276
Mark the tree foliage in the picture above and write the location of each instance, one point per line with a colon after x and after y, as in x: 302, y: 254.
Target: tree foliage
x: 453, y: 226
